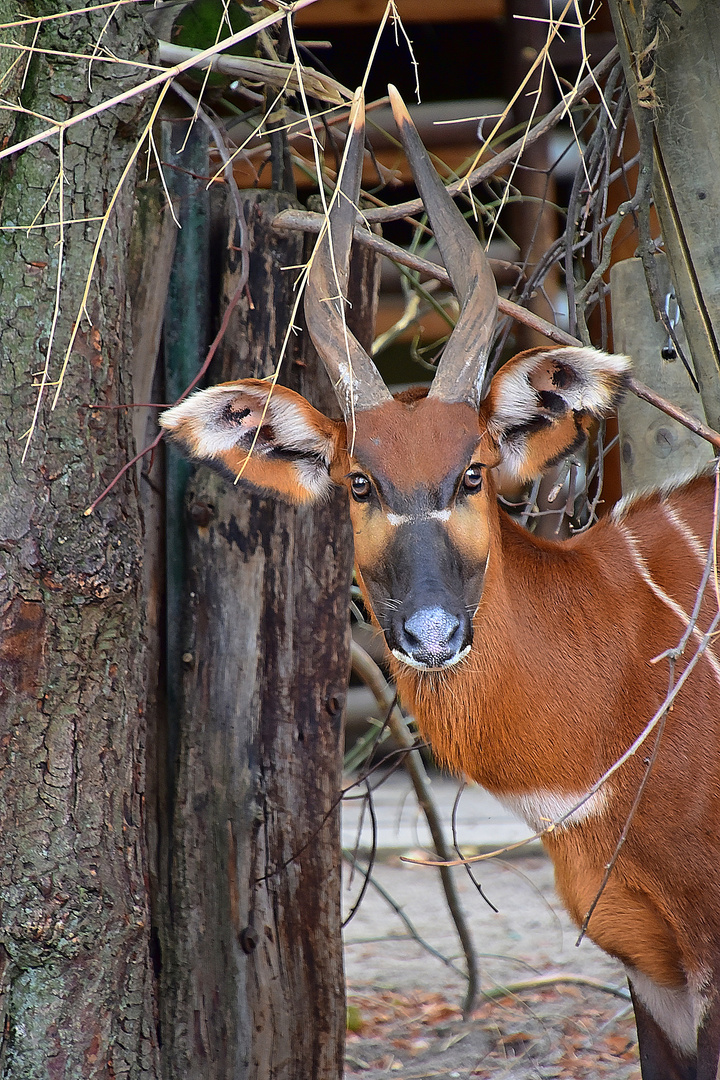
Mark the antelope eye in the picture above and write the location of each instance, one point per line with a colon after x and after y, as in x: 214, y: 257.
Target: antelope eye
x: 472, y: 480
x: 360, y: 487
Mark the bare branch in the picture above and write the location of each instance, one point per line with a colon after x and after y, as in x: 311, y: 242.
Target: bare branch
x: 270, y: 72
x: 310, y: 222
x: 370, y: 880
x: 560, y: 978
x: 150, y: 84
x: 506, y: 156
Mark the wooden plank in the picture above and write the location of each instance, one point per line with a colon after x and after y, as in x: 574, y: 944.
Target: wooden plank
x: 357, y: 12
x: 392, y: 159
x: 681, y: 92
x: 652, y: 446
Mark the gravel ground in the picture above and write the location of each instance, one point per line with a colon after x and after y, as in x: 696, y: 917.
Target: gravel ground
x: 404, y: 1004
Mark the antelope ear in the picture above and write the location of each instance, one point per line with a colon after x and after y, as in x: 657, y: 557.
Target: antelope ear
x: 542, y: 402
x: 267, y: 435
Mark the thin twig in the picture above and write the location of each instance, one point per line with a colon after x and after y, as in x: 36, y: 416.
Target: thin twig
x: 228, y: 173
x: 347, y: 855
x: 504, y: 157
x: 150, y: 84
x: 561, y: 978
x: 705, y: 641
x: 314, y: 223
x: 456, y: 845
x: 44, y: 379
x: 30, y: 20
x: 365, y: 667
x: 650, y: 762
x: 205, y: 365
x: 371, y: 862
x: 672, y: 656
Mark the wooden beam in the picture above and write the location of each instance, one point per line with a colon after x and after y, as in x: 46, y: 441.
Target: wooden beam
x: 390, y: 159
x: 356, y: 12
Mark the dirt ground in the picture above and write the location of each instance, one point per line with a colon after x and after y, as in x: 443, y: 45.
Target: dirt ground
x: 404, y: 1004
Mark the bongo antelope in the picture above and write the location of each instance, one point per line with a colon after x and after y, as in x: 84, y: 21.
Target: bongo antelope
x: 527, y: 663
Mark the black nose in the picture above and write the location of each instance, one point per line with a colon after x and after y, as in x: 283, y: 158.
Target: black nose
x: 431, y: 638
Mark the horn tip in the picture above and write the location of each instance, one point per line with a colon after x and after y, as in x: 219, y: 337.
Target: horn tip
x: 402, y: 116
x: 357, y: 109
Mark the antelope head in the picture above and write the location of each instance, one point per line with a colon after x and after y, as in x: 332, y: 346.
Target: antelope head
x: 418, y: 468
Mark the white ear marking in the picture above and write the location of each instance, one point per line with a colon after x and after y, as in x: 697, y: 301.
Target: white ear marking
x: 270, y: 425
x: 596, y: 379
x: 201, y: 421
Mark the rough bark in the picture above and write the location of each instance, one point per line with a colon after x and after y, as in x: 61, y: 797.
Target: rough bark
x: 253, y: 966
x: 76, y: 997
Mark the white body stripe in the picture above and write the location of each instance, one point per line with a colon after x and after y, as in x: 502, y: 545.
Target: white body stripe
x: 679, y: 1011
x: 692, y: 541
x: 677, y: 610
x: 665, y: 491
x: 541, y: 808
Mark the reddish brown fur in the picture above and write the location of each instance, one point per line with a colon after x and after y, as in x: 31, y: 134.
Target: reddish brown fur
x: 407, y: 437
x: 528, y: 664
x: 559, y: 679
x: 556, y: 687
x: 414, y: 444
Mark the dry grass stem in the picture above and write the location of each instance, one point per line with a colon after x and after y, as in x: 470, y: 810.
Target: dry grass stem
x: 44, y: 378
x: 162, y: 80
x: 28, y: 51
x: 158, y: 80
x: 103, y: 226
x: 37, y: 20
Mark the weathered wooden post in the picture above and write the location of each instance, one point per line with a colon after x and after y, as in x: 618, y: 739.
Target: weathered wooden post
x: 672, y: 68
x: 253, y: 979
x: 652, y: 446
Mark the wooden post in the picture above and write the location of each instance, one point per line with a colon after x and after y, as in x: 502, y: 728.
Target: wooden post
x: 673, y: 70
x: 653, y: 448
x: 254, y: 982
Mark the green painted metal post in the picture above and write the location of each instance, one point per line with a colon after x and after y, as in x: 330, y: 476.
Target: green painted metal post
x: 186, y: 338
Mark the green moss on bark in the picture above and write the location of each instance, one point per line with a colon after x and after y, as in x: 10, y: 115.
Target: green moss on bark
x: 77, y: 988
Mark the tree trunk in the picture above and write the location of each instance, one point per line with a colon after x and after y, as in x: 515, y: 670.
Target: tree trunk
x: 77, y: 986
x: 253, y: 982
x: 154, y: 236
